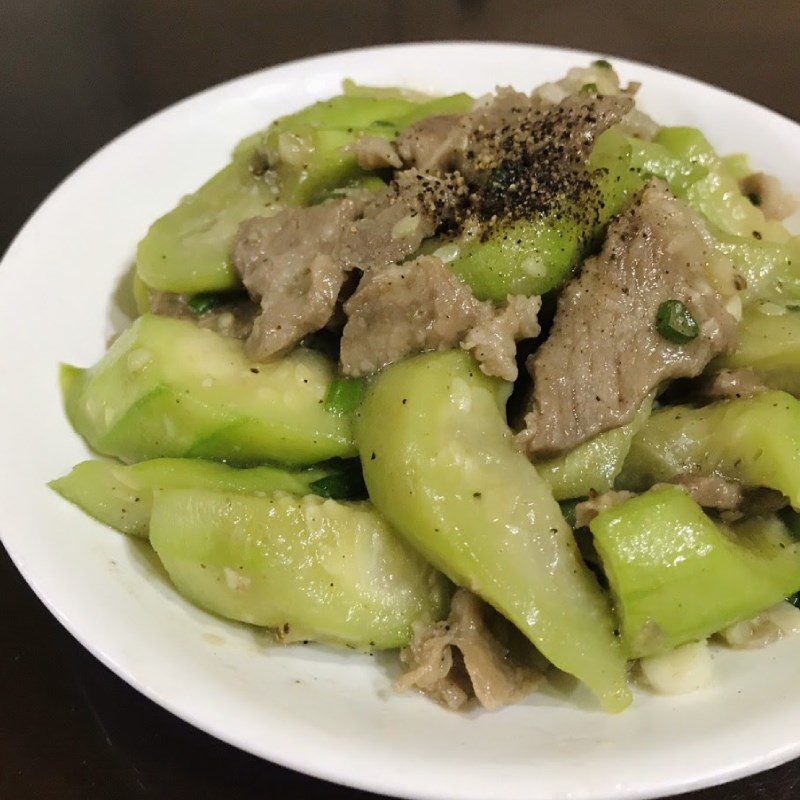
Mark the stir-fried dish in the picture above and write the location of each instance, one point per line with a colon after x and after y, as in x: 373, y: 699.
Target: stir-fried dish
x: 506, y: 384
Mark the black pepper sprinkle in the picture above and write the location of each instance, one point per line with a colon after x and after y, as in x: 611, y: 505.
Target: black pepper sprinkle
x: 537, y: 166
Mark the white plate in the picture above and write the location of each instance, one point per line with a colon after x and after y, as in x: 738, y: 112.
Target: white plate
x: 322, y: 712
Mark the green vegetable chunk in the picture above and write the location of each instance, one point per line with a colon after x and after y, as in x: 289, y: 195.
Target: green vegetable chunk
x: 593, y: 465
x: 311, y: 568
x: 754, y: 440
x: 169, y: 388
x: 717, y: 195
x: 307, y: 148
x: 771, y: 270
x: 440, y: 464
x: 675, y: 322
x: 122, y: 496
x: 188, y: 249
x: 768, y: 342
x: 678, y: 577
x: 537, y: 255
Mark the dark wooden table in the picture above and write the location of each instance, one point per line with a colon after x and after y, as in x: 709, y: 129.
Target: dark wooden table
x: 73, y: 75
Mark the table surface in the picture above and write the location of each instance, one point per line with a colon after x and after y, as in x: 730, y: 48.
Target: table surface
x: 76, y: 74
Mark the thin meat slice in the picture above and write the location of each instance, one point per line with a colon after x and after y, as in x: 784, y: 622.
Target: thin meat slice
x: 493, y: 339
x: 405, y: 309
x: 372, y: 152
x: 711, y: 491
x: 588, y: 509
x: 477, y: 142
x: 296, y: 262
x: 394, y: 223
x: 604, y: 355
x: 434, y: 144
x: 461, y: 658
x: 289, y: 262
x: 728, y: 384
x: 421, y: 305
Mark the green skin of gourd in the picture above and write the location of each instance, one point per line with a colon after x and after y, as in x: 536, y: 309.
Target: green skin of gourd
x: 678, y: 577
x: 769, y: 344
x: 310, y: 568
x: 188, y: 249
x: 122, y: 496
x: 169, y: 388
x: 440, y: 465
x: 753, y: 440
x: 593, y: 465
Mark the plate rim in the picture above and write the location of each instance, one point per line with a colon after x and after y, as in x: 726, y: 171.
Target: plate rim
x: 288, y: 758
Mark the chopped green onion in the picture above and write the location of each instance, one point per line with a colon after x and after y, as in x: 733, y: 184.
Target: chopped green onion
x: 344, y: 395
x: 347, y: 484
x: 602, y: 63
x: 590, y: 88
x: 675, y: 322
x: 204, y: 302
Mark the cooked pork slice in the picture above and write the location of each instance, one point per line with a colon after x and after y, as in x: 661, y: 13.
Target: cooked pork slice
x: 295, y: 262
x: 404, y: 309
x: 289, y: 262
x: 729, y: 384
x: 604, y: 354
x: 233, y: 318
x: 493, y: 339
x: 394, y: 223
x: 434, y: 144
x: 711, y: 491
x: 372, y: 152
x: 587, y: 510
x: 460, y: 658
x: 479, y: 141
x: 766, y: 191
x: 421, y: 305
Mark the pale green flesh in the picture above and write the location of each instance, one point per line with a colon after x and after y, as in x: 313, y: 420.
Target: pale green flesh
x: 188, y: 249
x: 122, y: 496
x: 754, y: 440
x: 169, y: 388
x: 440, y: 464
x: 717, y: 194
x: 593, y: 465
x: 311, y: 568
x: 678, y: 577
x: 768, y: 342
